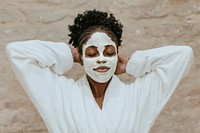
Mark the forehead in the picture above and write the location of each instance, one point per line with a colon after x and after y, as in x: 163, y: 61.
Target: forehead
x: 99, y: 39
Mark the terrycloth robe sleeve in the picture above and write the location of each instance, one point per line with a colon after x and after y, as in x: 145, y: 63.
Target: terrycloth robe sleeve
x: 38, y: 66
x: 158, y: 72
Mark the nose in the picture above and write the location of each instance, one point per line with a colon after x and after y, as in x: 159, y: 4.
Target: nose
x: 101, y: 59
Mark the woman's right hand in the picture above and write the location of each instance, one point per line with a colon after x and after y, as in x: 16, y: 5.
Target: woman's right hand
x: 76, y: 56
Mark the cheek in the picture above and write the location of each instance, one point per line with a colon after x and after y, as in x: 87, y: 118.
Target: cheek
x: 112, y: 60
x: 89, y: 61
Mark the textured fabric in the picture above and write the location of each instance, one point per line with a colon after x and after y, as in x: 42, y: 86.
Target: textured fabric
x: 68, y: 106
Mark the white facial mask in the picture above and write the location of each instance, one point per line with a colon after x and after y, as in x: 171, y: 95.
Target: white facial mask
x: 100, y: 40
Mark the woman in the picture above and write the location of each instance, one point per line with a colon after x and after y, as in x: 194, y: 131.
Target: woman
x: 98, y: 102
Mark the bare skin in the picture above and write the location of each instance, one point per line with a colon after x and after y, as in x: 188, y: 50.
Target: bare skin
x: 99, y: 89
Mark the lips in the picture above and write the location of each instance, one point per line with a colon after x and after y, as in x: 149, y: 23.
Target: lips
x: 101, y: 69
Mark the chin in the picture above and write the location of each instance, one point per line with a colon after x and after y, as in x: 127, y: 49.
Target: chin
x: 98, y: 80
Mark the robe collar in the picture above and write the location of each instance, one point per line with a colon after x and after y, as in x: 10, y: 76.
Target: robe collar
x: 113, y: 104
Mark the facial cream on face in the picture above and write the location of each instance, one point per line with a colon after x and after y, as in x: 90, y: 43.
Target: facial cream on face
x: 100, y: 68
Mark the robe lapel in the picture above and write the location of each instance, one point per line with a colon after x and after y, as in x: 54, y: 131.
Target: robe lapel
x: 94, y: 116
x: 108, y: 119
x: 114, y: 104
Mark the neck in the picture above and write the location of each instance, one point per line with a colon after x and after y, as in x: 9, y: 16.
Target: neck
x: 98, y: 89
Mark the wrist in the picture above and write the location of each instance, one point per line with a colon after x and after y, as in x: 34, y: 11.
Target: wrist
x: 126, y: 59
x: 74, y: 54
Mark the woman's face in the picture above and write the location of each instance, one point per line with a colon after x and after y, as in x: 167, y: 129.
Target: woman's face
x: 100, y: 57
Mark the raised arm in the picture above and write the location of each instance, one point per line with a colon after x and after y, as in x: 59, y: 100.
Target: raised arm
x: 173, y: 58
x: 158, y: 72
x: 39, y: 66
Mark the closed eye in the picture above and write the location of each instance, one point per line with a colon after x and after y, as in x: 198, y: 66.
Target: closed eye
x: 109, y: 54
x: 109, y: 51
x: 91, y: 52
x: 91, y: 55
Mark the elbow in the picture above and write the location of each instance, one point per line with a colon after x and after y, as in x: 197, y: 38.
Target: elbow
x: 10, y: 51
x: 9, y: 48
x: 188, y: 52
x: 188, y: 55
x: 12, y: 48
x: 188, y: 58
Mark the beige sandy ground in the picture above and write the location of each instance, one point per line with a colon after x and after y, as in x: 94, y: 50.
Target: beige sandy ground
x: 147, y: 24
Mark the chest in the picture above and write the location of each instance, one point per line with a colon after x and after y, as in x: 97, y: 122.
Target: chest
x: 116, y: 113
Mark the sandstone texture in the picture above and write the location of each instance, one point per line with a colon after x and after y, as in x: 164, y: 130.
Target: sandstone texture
x: 147, y: 24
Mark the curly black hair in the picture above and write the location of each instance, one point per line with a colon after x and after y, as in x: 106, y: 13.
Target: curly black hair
x: 94, y: 18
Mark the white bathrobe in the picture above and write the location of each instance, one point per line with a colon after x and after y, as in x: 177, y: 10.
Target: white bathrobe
x: 68, y: 106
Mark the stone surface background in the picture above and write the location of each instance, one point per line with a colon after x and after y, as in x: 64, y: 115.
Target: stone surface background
x: 147, y: 24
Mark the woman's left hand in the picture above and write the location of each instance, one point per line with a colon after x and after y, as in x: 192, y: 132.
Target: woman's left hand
x: 121, y: 66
